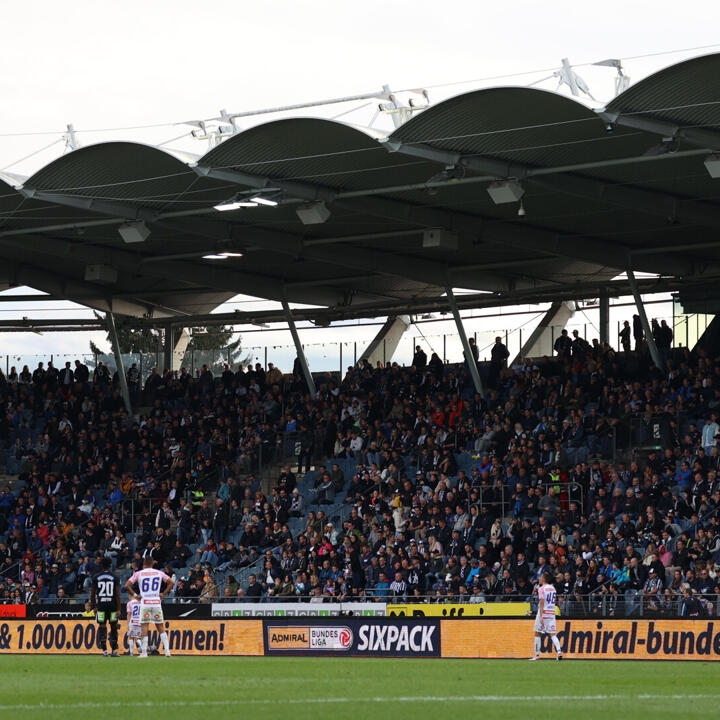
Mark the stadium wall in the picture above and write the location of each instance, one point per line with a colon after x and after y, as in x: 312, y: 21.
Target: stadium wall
x: 672, y: 639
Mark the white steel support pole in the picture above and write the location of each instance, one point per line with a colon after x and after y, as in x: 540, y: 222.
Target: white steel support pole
x: 110, y: 319
x: 654, y: 353
x: 298, y: 348
x: 469, y: 358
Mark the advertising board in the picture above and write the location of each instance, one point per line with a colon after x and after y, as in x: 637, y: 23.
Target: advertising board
x: 586, y: 639
x: 482, y: 638
x: 187, y: 637
x: 352, y: 636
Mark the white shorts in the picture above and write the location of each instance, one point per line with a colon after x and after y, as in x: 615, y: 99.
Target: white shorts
x: 134, y: 631
x: 151, y: 613
x: 545, y: 625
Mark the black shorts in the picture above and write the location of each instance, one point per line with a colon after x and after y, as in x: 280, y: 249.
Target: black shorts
x: 106, y: 613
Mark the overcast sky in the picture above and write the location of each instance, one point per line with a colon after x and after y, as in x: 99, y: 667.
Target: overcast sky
x: 111, y: 65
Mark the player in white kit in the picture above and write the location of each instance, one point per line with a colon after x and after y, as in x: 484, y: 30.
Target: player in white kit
x: 154, y: 585
x: 134, y: 628
x: 545, y: 618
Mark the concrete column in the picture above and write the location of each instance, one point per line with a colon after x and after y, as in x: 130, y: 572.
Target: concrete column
x: 168, y: 347
x: 654, y: 353
x: 540, y: 342
x: 384, y: 344
x: 110, y: 319
x: 181, y: 343
x: 469, y: 359
x: 298, y: 348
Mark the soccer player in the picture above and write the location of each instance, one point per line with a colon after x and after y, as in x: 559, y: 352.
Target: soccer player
x: 134, y: 628
x: 105, y: 601
x: 545, y: 618
x: 154, y: 585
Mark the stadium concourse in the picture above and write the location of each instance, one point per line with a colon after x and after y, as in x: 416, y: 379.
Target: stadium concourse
x: 594, y: 465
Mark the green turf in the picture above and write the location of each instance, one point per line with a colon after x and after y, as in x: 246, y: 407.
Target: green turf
x: 60, y: 687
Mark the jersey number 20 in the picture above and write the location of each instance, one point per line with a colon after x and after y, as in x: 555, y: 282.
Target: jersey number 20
x: 105, y: 590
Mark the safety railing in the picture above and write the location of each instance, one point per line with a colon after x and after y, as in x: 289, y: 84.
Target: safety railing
x: 504, y: 502
x: 620, y: 604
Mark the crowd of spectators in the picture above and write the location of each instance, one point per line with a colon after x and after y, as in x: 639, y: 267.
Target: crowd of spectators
x: 593, y: 464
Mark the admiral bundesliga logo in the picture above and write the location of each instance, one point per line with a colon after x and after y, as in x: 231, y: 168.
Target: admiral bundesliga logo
x: 310, y: 638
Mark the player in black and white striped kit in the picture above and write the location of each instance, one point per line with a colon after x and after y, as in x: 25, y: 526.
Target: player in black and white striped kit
x: 105, y: 601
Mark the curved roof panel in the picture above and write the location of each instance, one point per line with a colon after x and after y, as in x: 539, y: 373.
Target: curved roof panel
x: 323, y: 152
x: 131, y: 172
x: 687, y: 93
x: 521, y: 125
x: 9, y: 196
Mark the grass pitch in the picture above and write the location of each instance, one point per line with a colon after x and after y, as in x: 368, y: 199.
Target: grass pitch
x: 298, y: 688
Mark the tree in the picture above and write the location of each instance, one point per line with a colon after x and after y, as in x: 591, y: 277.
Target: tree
x: 131, y: 340
x: 152, y: 340
x: 213, y: 338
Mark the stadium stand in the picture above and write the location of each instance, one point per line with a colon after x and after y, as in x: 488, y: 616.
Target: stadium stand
x: 392, y: 482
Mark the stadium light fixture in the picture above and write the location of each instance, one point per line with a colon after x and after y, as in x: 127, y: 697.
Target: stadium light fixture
x: 234, y: 205
x: 712, y: 165
x: 222, y: 256
x: 314, y: 213
x: 260, y: 200
x: 505, y: 191
x: 135, y: 232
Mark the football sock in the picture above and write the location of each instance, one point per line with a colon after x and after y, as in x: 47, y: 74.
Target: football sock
x: 113, y: 636
x: 102, y: 637
x: 144, y: 645
x: 537, y: 645
x: 556, y: 643
x: 164, y: 640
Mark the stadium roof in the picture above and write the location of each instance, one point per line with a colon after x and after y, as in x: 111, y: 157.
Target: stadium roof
x: 626, y: 186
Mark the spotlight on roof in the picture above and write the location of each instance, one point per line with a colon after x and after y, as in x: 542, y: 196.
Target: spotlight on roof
x: 314, y: 213
x: 260, y: 200
x: 505, y: 191
x: 135, y: 232
x: 521, y: 209
x: 712, y: 165
x: 234, y: 205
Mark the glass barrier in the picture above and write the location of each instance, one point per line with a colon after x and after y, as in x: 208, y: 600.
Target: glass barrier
x: 337, y: 356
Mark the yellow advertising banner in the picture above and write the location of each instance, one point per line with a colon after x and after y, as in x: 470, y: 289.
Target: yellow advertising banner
x: 600, y: 639
x: 585, y: 639
x: 450, y: 610
x: 187, y: 637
